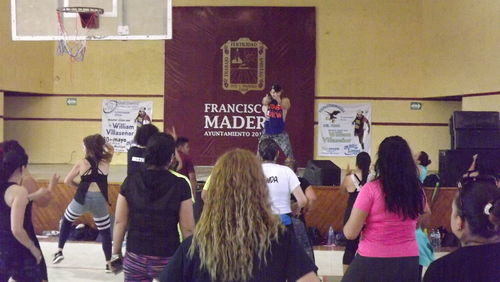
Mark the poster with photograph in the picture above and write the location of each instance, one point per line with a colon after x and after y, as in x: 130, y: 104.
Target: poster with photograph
x: 344, y: 129
x: 120, y: 120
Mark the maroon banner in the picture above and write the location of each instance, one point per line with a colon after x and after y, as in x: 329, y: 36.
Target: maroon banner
x: 222, y: 61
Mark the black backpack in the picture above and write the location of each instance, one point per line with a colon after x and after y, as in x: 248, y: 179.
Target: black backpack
x: 431, y: 180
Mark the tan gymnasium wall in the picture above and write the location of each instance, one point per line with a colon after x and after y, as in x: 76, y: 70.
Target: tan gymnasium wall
x: 461, y: 40
x: 425, y: 129
x: 52, y: 132
x: 481, y: 103
x: 1, y: 116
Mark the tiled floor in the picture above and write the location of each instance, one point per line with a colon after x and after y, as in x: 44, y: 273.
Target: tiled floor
x: 84, y: 262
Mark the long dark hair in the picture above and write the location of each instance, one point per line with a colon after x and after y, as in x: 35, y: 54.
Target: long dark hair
x: 13, y: 156
x: 397, y: 171
x: 143, y: 133
x: 94, y: 145
x: 479, y: 203
x: 160, y: 150
x: 363, y: 162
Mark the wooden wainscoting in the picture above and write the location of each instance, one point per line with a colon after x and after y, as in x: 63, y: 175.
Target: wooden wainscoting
x: 328, y: 210
x: 47, y: 218
x: 330, y: 206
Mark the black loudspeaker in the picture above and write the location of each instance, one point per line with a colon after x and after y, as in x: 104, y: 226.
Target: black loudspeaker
x: 476, y: 120
x: 475, y: 139
x: 454, y: 163
x: 322, y: 172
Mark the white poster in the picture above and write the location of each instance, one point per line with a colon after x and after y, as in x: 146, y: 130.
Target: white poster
x: 344, y: 129
x: 120, y: 120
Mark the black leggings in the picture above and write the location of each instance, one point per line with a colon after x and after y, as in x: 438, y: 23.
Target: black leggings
x: 371, y: 269
x: 351, y: 246
x: 105, y: 234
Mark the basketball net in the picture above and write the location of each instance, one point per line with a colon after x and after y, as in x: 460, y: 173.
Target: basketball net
x: 76, y: 48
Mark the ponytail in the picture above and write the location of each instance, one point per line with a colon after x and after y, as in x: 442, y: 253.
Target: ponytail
x: 492, y: 210
x: 363, y: 162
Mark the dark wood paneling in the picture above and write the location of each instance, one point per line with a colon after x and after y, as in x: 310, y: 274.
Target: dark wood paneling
x: 328, y: 210
x: 330, y: 206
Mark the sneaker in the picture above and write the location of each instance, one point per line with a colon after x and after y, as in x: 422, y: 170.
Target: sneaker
x: 58, y: 257
x: 108, y: 270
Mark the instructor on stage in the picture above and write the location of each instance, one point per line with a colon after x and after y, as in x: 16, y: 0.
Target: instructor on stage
x: 275, y: 108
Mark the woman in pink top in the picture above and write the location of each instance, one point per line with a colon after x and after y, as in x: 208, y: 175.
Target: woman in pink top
x: 386, y: 212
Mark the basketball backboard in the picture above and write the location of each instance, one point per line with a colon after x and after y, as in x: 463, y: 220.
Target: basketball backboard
x: 122, y: 20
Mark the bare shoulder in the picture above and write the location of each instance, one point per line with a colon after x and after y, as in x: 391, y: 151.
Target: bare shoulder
x: 15, y: 191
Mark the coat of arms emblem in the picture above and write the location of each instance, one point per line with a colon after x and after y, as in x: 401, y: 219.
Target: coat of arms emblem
x: 243, y: 65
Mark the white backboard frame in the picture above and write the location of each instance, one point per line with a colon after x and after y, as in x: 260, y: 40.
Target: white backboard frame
x: 17, y: 37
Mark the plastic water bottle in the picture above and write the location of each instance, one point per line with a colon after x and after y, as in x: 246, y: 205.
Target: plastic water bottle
x: 438, y: 238
x: 435, y: 238
x: 331, y: 237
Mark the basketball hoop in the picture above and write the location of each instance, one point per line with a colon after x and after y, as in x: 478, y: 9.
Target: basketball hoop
x: 89, y: 19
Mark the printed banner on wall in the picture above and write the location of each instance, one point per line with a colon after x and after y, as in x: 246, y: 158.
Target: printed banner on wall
x: 222, y: 61
x: 120, y: 120
x: 344, y: 129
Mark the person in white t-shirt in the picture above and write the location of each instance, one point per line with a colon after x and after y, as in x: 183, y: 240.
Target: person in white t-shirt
x: 281, y: 182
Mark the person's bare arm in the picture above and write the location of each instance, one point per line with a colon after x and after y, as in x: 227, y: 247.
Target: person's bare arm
x: 74, y: 172
x: 16, y: 198
x: 286, y: 105
x: 192, y: 179
x: 301, y: 199
x: 355, y: 223
x: 311, y: 198
x: 42, y: 196
x: 110, y: 150
x: 425, y: 218
x: 121, y: 222
x: 186, y: 218
x: 347, y: 185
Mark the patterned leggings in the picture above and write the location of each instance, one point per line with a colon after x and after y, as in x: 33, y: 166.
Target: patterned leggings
x: 283, y: 140
x: 143, y: 268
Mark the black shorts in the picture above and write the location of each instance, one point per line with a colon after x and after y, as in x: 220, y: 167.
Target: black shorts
x: 371, y: 269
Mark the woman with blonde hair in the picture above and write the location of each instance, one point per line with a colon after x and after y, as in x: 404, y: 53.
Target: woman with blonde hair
x: 238, y: 238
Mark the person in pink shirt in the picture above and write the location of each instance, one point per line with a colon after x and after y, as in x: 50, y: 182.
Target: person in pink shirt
x: 385, y: 213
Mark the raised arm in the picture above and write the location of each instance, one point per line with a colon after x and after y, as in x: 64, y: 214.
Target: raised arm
x: 286, y: 105
x: 41, y: 196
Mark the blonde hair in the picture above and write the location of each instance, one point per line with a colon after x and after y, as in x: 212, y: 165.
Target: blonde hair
x: 237, y: 222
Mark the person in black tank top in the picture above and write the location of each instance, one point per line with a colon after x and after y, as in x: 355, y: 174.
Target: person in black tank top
x: 20, y: 253
x: 87, y: 199
x: 353, y: 183
x: 16, y: 260
x: 136, y: 153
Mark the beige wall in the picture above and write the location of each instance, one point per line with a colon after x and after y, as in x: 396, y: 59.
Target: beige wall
x: 60, y: 141
x: 421, y: 137
x: 461, y: 40
x: 481, y: 103
x: 1, y: 115
x: 365, y: 48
